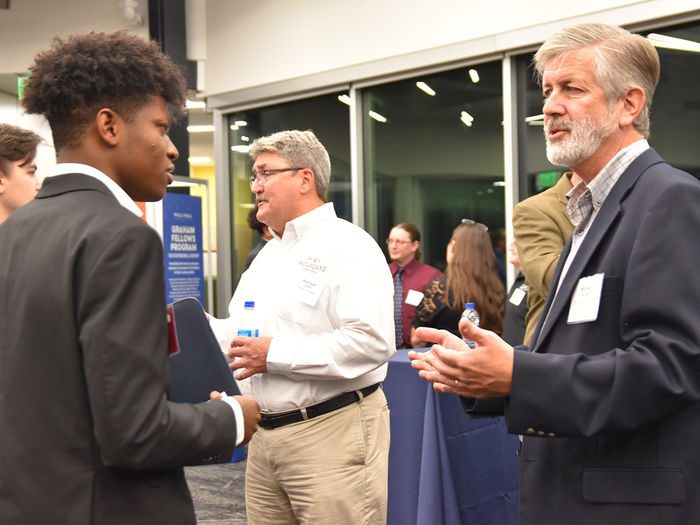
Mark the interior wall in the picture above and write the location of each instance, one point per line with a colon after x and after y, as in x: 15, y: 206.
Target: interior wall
x: 206, y: 173
x: 253, y: 43
x: 11, y: 113
x: 29, y: 26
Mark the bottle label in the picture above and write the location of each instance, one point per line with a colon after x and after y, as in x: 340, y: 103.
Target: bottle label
x: 249, y: 333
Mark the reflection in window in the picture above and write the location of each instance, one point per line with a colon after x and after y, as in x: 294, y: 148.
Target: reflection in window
x: 675, y: 111
x: 433, y: 153
x: 327, y: 117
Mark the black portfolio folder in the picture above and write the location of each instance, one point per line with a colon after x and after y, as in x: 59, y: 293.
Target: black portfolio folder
x: 197, y: 365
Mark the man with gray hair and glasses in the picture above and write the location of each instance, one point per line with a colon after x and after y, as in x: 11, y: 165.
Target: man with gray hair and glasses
x: 323, y: 299
x: 607, y: 395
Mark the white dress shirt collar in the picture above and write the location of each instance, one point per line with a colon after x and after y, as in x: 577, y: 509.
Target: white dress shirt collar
x: 64, y: 168
x: 297, y: 228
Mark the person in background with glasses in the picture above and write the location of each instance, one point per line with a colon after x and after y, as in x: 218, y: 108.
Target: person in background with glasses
x: 323, y: 295
x: 411, y: 278
x: 18, y: 180
x: 471, y: 276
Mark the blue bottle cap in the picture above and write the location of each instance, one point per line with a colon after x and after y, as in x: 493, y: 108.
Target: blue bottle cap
x: 249, y: 304
x: 469, y: 305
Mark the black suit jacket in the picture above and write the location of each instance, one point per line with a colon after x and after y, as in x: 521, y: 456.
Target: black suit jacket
x: 514, y: 323
x: 610, y: 408
x: 88, y: 435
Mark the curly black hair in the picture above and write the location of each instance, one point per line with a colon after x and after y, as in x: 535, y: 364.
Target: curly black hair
x: 78, y: 76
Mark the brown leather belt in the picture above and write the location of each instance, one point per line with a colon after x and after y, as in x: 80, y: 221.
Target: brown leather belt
x: 269, y: 421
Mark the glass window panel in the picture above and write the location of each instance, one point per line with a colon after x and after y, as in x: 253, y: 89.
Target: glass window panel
x: 436, y: 158
x: 536, y: 173
x: 675, y: 113
x: 327, y: 117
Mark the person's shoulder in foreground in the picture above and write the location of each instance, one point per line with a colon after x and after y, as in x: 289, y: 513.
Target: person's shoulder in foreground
x: 83, y: 286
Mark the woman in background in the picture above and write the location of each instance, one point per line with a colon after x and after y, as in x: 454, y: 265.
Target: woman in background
x: 471, y: 276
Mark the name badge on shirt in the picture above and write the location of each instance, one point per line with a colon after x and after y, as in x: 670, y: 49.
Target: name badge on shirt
x: 414, y: 297
x: 311, y: 278
x: 517, y: 296
x: 586, y: 299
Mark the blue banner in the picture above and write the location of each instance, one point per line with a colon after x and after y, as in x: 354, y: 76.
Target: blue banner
x: 182, y: 241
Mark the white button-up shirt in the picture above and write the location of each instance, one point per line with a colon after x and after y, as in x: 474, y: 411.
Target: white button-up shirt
x: 64, y: 168
x: 324, y: 293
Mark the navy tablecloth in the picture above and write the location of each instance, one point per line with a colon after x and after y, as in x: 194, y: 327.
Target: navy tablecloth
x: 444, y: 467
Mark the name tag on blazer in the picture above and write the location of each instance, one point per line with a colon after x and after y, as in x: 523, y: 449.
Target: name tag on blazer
x: 518, y: 295
x: 586, y: 299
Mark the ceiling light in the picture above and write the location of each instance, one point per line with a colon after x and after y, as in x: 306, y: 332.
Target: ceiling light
x: 498, y: 183
x: 199, y: 160
x: 425, y: 87
x: 241, y: 123
x: 243, y: 148
x: 466, y: 119
x: 207, y: 128
x: 130, y: 12
x: 376, y: 116
x: 535, y: 120
x: 195, y: 104
x: 182, y: 184
x: 474, y: 75
x: 234, y: 127
x: 669, y: 42
x: 345, y: 99
x: 245, y: 139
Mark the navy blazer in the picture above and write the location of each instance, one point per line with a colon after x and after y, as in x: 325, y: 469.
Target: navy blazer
x: 88, y: 435
x: 610, y: 408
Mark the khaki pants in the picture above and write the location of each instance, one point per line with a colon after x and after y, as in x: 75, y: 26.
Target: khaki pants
x: 331, y: 469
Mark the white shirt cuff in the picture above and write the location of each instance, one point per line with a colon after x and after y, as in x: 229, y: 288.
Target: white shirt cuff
x: 238, y: 412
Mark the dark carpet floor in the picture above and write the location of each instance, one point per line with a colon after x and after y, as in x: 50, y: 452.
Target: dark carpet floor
x: 218, y: 493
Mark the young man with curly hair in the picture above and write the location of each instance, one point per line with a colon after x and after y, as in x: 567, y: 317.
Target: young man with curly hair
x: 88, y: 433
x: 18, y: 181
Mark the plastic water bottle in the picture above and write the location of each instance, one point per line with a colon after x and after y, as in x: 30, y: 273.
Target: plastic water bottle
x: 248, y: 325
x: 472, y: 316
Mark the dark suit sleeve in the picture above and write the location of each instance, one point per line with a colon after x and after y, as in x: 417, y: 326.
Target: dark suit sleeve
x: 652, y: 370
x: 491, y: 407
x: 123, y: 334
x: 488, y: 407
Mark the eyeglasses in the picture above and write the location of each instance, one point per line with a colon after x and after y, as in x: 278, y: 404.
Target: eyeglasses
x: 261, y: 176
x: 396, y: 241
x: 477, y: 224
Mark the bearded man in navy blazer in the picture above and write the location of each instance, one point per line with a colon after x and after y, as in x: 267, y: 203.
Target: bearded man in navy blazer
x: 607, y: 395
x: 88, y: 434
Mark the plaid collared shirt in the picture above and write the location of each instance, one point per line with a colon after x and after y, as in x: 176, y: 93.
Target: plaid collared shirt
x: 585, y: 201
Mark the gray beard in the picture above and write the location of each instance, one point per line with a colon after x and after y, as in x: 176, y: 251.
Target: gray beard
x: 584, y: 140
